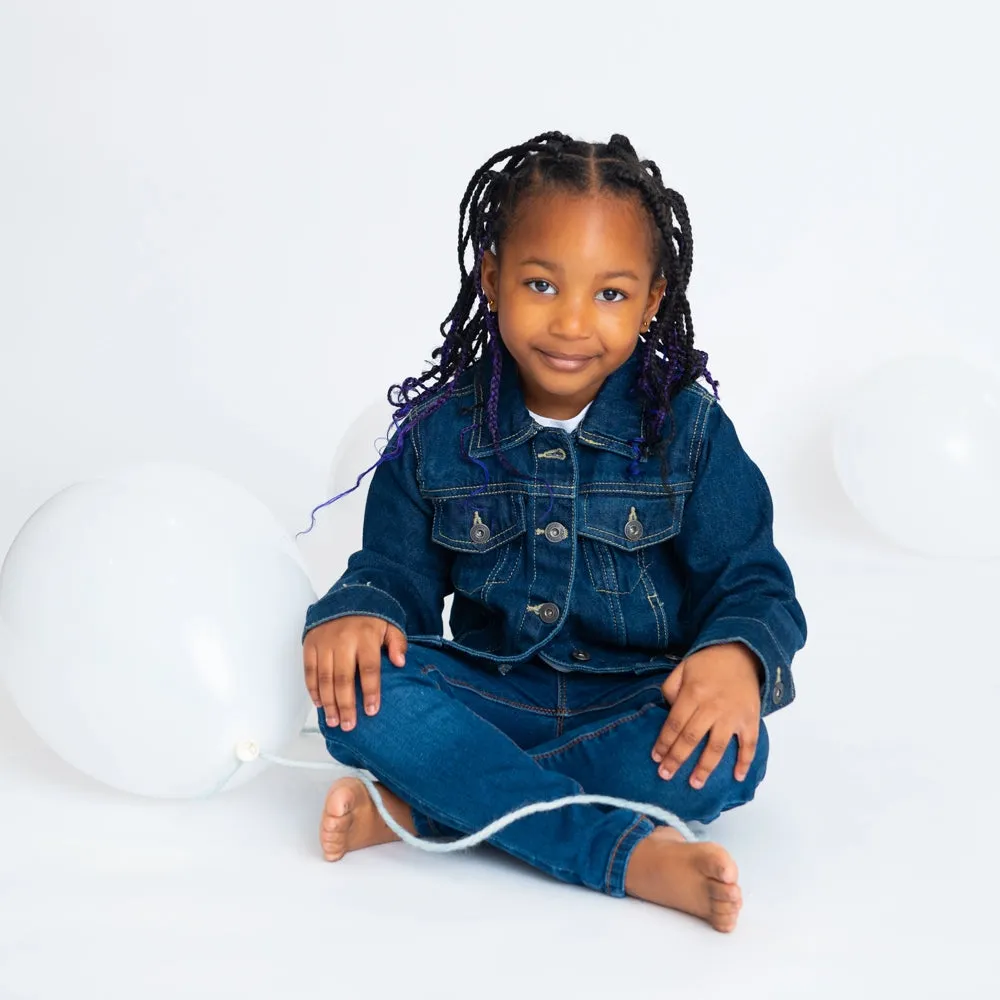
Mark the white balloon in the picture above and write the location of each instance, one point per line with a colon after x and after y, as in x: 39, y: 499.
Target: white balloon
x: 151, y: 622
x: 360, y: 447
x: 337, y: 531
x: 917, y: 449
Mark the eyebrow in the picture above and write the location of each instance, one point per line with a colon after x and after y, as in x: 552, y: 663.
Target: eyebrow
x: 553, y: 267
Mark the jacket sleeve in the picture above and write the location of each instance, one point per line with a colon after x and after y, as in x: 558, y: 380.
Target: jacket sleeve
x: 399, y: 575
x: 739, y: 588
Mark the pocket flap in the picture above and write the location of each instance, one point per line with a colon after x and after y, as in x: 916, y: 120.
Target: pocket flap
x: 478, y: 524
x: 631, y: 522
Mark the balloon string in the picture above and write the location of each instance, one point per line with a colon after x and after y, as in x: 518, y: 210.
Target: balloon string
x: 463, y: 843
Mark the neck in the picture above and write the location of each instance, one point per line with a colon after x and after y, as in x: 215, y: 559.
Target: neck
x: 559, y: 408
x: 554, y: 411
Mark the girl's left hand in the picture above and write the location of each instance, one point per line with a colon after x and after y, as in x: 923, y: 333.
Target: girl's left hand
x: 717, y: 691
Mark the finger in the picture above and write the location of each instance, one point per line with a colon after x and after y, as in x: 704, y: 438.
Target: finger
x: 718, y: 739
x: 344, y: 669
x: 396, y: 644
x: 370, y: 669
x: 690, y: 736
x: 670, y: 731
x: 671, y: 686
x: 309, y: 660
x: 326, y: 693
x: 748, y: 750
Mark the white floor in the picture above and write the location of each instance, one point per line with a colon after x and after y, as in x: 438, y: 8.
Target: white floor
x: 868, y: 860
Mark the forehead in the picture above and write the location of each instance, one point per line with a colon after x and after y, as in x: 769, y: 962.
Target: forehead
x: 571, y: 225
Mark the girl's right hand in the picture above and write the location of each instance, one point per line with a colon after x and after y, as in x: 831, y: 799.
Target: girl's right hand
x: 334, y: 651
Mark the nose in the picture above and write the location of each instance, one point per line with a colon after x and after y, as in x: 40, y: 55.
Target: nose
x: 572, y: 320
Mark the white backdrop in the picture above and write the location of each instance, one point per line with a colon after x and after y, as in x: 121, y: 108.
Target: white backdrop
x: 227, y: 227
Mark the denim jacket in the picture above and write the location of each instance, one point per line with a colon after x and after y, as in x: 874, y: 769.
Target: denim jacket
x: 570, y: 557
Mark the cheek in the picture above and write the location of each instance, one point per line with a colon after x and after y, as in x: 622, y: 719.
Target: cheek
x: 621, y: 353
x: 513, y: 327
x: 513, y: 343
x: 620, y: 334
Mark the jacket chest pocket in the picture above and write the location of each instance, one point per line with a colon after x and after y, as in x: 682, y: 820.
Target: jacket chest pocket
x: 618, y: 533
x: 485, y: 533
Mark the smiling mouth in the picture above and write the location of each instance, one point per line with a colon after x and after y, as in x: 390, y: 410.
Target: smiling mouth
x: 566, y: 362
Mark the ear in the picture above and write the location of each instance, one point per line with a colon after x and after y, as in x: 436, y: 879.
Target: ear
x: 653, y: 300
x: 490, y: 275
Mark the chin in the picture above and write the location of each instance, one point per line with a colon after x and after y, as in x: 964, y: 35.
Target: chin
x: 567, y: 387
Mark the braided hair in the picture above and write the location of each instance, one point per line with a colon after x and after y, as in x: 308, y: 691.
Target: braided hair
x: 549, y: 162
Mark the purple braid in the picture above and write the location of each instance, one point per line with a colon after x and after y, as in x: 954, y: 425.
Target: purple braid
x: 493, y: 398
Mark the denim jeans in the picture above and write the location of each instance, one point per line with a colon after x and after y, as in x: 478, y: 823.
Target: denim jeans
x: 463, y: 744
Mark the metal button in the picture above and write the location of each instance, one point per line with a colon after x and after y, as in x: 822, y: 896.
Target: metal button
x: 556, y: 532
x: 479, y: 533
x: 580, y: 655
x: 778, y: 692
x: 633, y: 530
x: 549, y: 613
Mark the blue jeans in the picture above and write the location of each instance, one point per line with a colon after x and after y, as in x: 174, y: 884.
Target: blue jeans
x: 462, y: 745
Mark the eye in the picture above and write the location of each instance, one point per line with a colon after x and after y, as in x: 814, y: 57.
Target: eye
x: 538, y: 281
x: 614, y: 291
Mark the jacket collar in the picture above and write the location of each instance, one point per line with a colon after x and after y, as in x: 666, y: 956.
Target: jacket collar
x: 613, y: 420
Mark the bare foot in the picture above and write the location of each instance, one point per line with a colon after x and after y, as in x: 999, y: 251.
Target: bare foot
x: 351, y: 821
x: 698, y: 878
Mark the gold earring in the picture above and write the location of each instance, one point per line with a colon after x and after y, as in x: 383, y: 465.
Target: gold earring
x: 490, y: 305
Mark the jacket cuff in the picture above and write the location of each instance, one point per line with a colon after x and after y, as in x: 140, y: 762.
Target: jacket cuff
x: 355, y: 599
x: 777, y: 689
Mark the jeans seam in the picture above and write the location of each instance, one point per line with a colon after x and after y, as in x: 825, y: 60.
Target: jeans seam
x: 487, y: 696
x: 604, y: 706
x: 614, y: 851
x: 614, y: 724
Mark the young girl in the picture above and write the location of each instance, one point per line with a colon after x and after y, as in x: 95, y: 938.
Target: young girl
x: 622, y: 620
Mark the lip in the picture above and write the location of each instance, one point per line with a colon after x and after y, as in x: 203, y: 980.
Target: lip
x: 566, y: 362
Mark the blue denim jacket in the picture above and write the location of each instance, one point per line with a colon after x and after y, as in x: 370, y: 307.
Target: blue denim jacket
x: 573, y: 559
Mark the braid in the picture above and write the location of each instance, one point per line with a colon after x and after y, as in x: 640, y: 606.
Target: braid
x: 553, y: 160
x: 669, y: 360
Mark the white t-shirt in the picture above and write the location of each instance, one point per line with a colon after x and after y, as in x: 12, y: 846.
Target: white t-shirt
x: 567, y: 425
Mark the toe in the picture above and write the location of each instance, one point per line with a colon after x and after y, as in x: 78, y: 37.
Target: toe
x: 720, y: 866
x: 333, y: 836
x: 333, y: 848
x: 725, y: 915
x: 726, y: 909
x: 340, y: 799
x: 724, y: 892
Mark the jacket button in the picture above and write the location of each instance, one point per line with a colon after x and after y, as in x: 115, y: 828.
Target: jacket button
x: 580, y: 655
x: 479, y: 533
x: 633, y: 530
x: 556, y: 532
x: 779, y: 690
x: 549, y: 613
